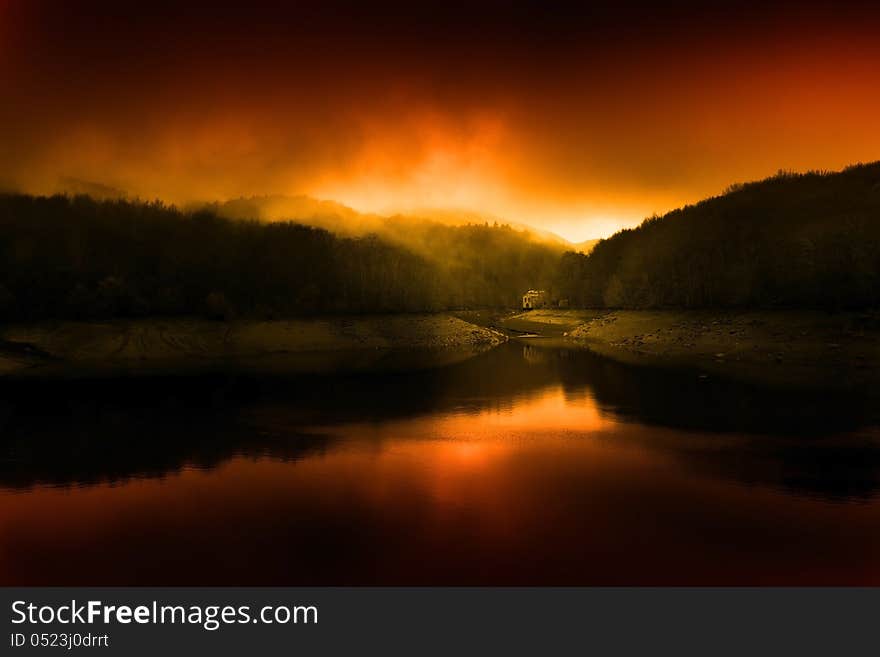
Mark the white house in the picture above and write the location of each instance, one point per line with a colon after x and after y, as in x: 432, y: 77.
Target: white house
x: 534, y: 299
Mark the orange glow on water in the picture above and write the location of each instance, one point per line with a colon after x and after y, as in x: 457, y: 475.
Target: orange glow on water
x: 545, y: 489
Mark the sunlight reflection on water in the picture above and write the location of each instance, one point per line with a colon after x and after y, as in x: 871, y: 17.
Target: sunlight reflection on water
x: 525, y: 467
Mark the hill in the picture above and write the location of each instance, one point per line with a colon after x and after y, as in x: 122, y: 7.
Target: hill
x: 75, y: 257
x: 792, y: 240
x: 407, y: 229
x: 586, y: 246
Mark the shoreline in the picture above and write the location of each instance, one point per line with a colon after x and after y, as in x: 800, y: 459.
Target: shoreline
x: 786, y: 348
x: 790, y: 348
x: 175, y: 345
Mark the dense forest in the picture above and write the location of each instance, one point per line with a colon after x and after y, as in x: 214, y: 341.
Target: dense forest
x: 793, y: 240
x: 77, y: 257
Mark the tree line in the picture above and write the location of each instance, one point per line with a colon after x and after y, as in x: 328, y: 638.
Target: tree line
x: 75, y: 257
x: 793, y: 240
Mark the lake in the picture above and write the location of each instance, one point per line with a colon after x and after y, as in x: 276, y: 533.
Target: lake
x: 528, y: 464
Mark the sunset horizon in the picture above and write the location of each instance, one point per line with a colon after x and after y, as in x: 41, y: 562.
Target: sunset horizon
x: 579, y: 122
x: 441, y: 213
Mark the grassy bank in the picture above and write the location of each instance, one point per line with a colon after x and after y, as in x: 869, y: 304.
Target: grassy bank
x: 785, y: 347
x: 181, y: 345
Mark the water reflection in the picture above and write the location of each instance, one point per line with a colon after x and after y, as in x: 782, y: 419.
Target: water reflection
x: 109, y: 430
x: 523, y: 465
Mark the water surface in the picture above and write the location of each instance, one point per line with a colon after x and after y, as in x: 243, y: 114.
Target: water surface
x: 525, y: 465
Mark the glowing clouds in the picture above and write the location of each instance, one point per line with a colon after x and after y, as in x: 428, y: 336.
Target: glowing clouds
x: 422, y: 160
x: 579, y: 122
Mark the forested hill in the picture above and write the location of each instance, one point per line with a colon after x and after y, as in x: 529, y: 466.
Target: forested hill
x: 793, y: 240
x: 75, y: 257
x: 416, y: 230
x: 809, y: 240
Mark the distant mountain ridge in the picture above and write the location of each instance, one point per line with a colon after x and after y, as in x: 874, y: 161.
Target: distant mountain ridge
x: 343, y: 220
x: 333, y: 216
x: 98, y: 191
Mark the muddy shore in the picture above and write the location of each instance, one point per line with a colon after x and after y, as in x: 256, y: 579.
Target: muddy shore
x: 777, y: 347
x: 183, y: 345
x: 785, y: 348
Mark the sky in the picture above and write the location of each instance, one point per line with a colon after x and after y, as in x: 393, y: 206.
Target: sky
x: 577, y: 119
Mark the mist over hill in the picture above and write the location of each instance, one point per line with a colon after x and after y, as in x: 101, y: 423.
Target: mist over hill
x: 77, y: 257
x: 410, y: 229
x: 792, y: 240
